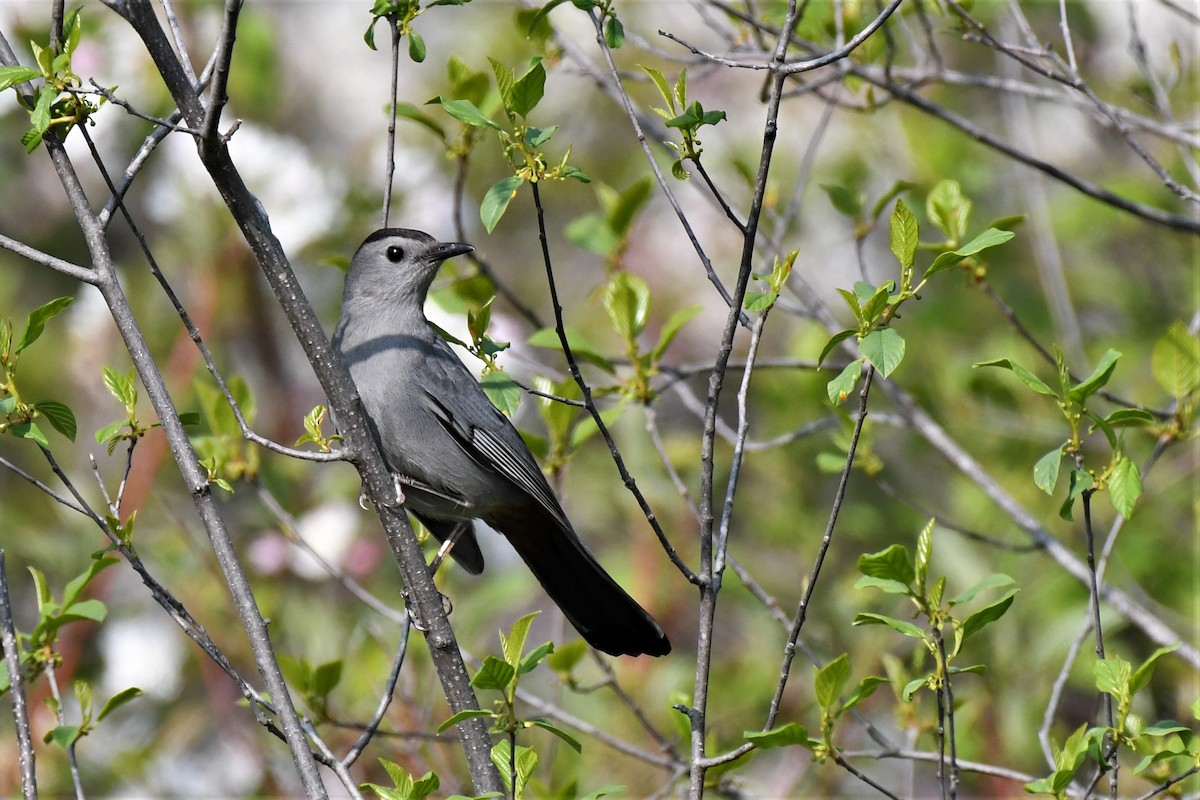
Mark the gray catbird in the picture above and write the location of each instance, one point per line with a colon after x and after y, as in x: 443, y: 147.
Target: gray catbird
x: 455, y: 457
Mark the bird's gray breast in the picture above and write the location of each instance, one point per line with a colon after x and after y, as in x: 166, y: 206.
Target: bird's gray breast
x: 396, y: 372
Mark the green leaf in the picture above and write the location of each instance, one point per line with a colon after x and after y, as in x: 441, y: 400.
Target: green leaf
x: 995, y: 580
x: 29, y: 430
x: 987, y: 615
x: 883, y: 584
x: 117, y: 700
x: 64, y: 735
x: 494, y: 674
x: 514, y: 643
x: 924, y: 554
x: 60, y: 417
x: 571, y: 741
x: 1125, y: 486
x: 11, y: 76
x: 1045, y: 471
x: 541, y: 14
x: 525, y: 760
x: 865, y: 689
x: 907, y: 628
x: 1175, y: 361
x: 840, y: 387
x: 902, y: 234
x: 416, y: 47
x: 1113, y: 676
x: 844, y: 200
x: 782, y: 736
x: 912, y: 687
x: 892, y: 563
x: 1141, y: 676
x: 504, y: 393
x: 614, y: 33
x: 1129, y: 417
x: 833, y: 342
x: 121, y: 386
x: 830, y: 680
x: 529, y: 90
x: 412, y: 112
x: 462, y: 716
x: 948, y: 209
x: 535, y: 657
x: 1099, y: 377
x: 852, y: 301
x: 883, y: 347
x: 581, y: 348
x: 1081, y: 481
x: 627, y: 301
x: 77, y: 584
x: 496, y: 201
x: 989, y: 238
x: 566, y: 657
x: 536, y: 137
x: 40, y: 118
x: 467, y: 112
x: 326, y: 677
x: 91, y: 609
x: 659, y: 81
x: 671, y: 329
x: 1026, y: 377
x: 38, y: 318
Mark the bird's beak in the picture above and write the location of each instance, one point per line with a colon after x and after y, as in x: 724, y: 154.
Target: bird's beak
x: 447, y: 250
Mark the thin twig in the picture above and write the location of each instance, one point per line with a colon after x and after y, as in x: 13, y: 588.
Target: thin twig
x: 16, y: 689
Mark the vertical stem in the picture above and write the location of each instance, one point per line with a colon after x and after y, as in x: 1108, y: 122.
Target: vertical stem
x: 1094, y: 590
x: 16, y: 689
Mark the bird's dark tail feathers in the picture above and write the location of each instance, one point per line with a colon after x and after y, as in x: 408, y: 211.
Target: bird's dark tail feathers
x: 606, y: 616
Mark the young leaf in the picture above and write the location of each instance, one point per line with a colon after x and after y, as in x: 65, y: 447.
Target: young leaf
x: 416, y: 47
x: 461, y: 716
x: 1125, y: 486
x: 840, y: 387
x: 892, y: 563
x: 883, y: 347
x: 948, y: 209
x: 466, y: 112
x: 782, y: 736
x: 907, y: 628
x: 38, y: 319
x: 580, y: 346
x: 528, y: 91
x: 865, y: 689
x: 494, y: 674
x: 671, y: 329
x: 830, y: 680
x: 844, y: 200
x: 117, y: 700
x: 1045, y: 471
x: 833, y: 342
x: 496, y: 201
x: 992, y: 581
x: 29, y: 430
x: 60, y: 417
x: 924, y: 554
x: 1141, y: 675
x: 541, y: 14
x: 1026, y: 377
x: 1175, y: 361
x: 121, y: 386
x: 989, y: 238
x: 614, y: 33
x: 1099, y: 377
x: 987, y: 615
x: 627, y: 301
x: 903, y: 233
x: 514, y: 643
x: 504, y: 393
x: 11, y: 76
x: 571, y: 741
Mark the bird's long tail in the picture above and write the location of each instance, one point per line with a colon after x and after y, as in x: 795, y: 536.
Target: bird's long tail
x: 607, y: 617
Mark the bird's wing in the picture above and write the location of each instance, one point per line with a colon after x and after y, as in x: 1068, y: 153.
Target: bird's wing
x: 484, y: 441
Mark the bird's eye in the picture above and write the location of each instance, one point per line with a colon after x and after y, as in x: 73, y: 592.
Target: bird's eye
x: 395, y: 254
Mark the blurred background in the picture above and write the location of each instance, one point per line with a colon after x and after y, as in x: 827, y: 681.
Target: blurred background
x: 312, y: 97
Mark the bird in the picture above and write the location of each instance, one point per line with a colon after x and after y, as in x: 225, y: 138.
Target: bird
x: 455, y: 457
